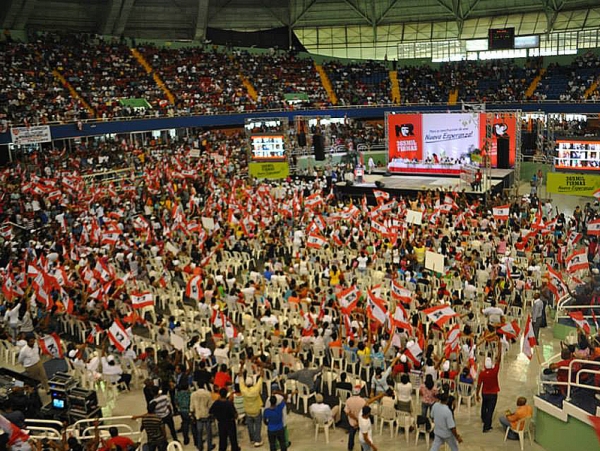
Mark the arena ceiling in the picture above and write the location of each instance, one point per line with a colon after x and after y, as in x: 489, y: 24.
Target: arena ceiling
x: 315, y: 22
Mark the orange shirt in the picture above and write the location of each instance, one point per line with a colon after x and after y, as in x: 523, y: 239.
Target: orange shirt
x: 525, y: 411
x: 336, y: 343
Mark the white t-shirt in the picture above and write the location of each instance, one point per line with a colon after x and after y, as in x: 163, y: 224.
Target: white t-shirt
x: 365, y: 427
x: 362, y: 262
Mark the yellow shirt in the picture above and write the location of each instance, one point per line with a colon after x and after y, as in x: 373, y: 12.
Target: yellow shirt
x: 252, y: 400
x: 366, y: 353
x: 420, y: 254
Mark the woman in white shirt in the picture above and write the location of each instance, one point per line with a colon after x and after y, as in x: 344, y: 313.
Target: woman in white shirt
x: 11, y: 317
x: 403, y: 391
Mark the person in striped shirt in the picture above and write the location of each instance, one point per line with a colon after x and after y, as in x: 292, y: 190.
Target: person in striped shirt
x: 164, y: 410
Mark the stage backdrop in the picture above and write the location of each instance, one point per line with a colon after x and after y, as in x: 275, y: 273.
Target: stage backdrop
x: 420, y: 136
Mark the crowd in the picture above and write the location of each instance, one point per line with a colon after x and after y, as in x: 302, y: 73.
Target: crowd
x: 206, y: 80
x: 185, y: 273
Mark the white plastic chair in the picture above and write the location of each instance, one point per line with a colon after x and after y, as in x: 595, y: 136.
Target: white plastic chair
x: 387, y: 415
x: 465, y: 391
x: 304, y: 394
x: 522, y: 429
x: 174, y: 446
x: 320, y: 423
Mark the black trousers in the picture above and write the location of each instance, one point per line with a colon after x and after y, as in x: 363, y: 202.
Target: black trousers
x: 277, y: 436
x: 228, y: 430
x: 488, y: 405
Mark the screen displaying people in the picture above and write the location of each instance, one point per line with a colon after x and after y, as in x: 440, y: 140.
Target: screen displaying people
x: 268, y: 147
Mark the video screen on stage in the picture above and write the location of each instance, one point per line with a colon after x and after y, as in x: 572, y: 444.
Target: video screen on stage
x: 577, y: 154
x: 268, y: 147
x: 450, y: 139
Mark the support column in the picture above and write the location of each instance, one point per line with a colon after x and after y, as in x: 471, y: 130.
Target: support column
x: 201, y: 20
x: 123, y: 17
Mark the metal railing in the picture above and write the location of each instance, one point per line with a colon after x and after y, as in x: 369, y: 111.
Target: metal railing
x: 569, y: 383
x: 279, y: 110
x: 84, y: 429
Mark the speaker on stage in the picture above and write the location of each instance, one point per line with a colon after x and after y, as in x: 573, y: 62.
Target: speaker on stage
x: 379, y: 184
x: 503, y: 158
x: 302, y: 139
x: 319, y: 146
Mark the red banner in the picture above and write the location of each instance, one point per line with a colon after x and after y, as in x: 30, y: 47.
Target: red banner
x: 504, y: 125
x: 405, y: 136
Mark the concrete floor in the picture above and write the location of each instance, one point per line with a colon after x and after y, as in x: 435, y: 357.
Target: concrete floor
x: 517, y: 378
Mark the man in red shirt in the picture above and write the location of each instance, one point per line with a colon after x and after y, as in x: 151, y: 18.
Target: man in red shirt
x: 489, y: 387
x: 222, y: 378
x: 124, y: 443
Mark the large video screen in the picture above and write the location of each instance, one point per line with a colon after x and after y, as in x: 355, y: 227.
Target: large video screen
x: 577, y: 155
x: 448, y: 137
x: 268, y: 147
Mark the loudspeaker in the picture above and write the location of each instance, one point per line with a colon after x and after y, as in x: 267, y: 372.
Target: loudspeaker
x: 379, y: 184
x: 503, y: 153
x: 302, y: 139
x: 319, y: 146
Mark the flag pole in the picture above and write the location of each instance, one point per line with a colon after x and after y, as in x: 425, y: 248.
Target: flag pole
x: 537, y: 353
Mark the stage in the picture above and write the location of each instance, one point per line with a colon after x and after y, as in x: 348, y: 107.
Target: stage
x: 409, y: 185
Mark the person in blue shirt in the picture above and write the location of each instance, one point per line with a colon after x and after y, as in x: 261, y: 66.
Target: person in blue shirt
x: 273, y: 418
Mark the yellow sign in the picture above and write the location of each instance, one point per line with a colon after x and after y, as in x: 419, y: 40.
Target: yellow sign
x: 269, y: 170
x: 575, y: 184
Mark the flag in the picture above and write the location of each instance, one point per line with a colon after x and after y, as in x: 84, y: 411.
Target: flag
x: 309, y: 324
x: 376, y: 308
x: 381, y: 196
x: 92, y: 335
x: 193, y: 289
x: 348, y: 298
x: 315, y: 241
x: 440, y: 314
x: 574, y: 238
x: 593, y: 227
x: 379, y: 227
x: 118, y: 336
x: 230, y: 330
x: 556, y: 283
x: 501, y: 213
x: 577, y: 260
x: 141, y: 300
x: 597, y: 193
x: 400, y: 293
x: 529, y: 340
x: 414, y: 351
x: 50, y: 345
x: 452, y: 340
x: 400, y: 318
x: 510, y: 330
x: 581, y: 322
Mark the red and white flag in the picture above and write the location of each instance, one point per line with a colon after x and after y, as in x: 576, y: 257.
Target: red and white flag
x: 95, y: 331
x: 400, y: 293
x: 50, y: 345
x: 529, y: 341
x: 574, y: 238
x: 501, y: 213
x: 440, y: 314
x: 376, y: 309
x: 118, y: 336
x: 593, y: 227
x: 315, y: 241
x: 452, y: 341
x: 597, y: 193
x: 510, y: 330
x: 581, y: 322
x: 141, y: 300
x: 193, y: 289
x: 401, y: 319
x: 577, y: 260
x: 381, y: 196
x: 414, y: 352
x: 348, y: 298
x: 556, y: 283
x: 595, y: 421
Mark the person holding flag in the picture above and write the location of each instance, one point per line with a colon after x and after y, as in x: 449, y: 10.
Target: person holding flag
x: 488, y: 388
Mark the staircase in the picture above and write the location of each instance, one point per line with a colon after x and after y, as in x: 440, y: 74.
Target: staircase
x: 395, y: 86
x: 249, y: 87
x: 74, y: 94
x: 150, y: 71
x: 326, y: 84
x: 534, y: 84
x: 589, y: 91
x: 453, y: 97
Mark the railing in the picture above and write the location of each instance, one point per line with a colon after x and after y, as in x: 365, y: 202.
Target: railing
x: 157, y: 114
x: 41, y: 429
x: 84, y: 429
x: 562, y: 309
x: 569, y: 384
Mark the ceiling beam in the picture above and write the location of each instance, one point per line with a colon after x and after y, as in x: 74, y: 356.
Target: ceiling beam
x: 386, y: 11
x: 201, y: 21
x: 123, y: 17
x: 22, y: 18
x: 359, y: 11
x: 295, y: 21
x: 219, y: 9
x: 110, y: 17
